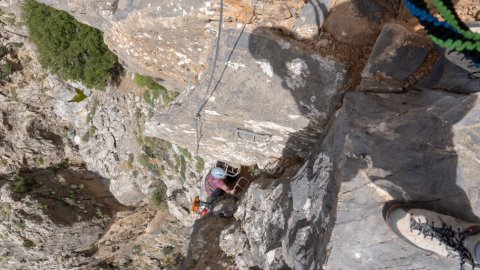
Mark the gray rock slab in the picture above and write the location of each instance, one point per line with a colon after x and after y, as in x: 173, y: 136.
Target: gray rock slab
x: 361, y: 239
x: 396, y: 55
x: 263, y: 84
x: 447, y: 76
x: 418, y: 146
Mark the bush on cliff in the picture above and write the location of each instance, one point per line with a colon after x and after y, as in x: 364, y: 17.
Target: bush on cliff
x: 68, y: 48
x: 152, y: 90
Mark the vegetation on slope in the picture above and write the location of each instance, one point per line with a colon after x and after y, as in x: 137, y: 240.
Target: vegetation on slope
x: 68, y: 48
x: 152, y: 90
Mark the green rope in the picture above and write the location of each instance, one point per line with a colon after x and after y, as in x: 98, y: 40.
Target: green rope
x: 456, y: 45
x: 449, y: 17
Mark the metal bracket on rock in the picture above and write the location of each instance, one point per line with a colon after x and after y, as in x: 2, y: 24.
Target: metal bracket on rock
x: 230, y: 170
x: 241, y: 185
x: 248, y: 135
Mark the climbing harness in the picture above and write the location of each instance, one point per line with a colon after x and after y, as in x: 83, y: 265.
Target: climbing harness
x: 452, y: 33
x: 208, y: 94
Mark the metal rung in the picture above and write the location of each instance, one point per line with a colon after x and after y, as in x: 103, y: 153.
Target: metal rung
x: 248, y: 135
x: 241, y: 185
x: 230, y: 170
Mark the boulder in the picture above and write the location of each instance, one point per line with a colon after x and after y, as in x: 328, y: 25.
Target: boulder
x: 358, y: 22
x: 396, y: 56
x: 447, y: 76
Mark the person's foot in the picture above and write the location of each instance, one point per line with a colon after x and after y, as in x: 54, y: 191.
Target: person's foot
x: 434, y: 232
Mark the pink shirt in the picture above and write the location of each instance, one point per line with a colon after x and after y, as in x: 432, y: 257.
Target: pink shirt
x: 212, y: 183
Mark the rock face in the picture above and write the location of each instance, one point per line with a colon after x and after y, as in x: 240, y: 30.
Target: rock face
x: 237, y: 121
x: 278, y: 218
x: 171, y: 41
x: 271, y: 97
x: 26, y: 139
x: 295, y: 209
x: 142, y: 239
x: 53, y: 210
x: 428, y: 161
x: 420, y: 145
x: 52, y: 218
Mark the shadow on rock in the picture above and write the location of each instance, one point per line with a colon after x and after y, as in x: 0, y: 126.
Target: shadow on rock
x: 405, y: 144
x: 65, y: 195
x: 315, y: 83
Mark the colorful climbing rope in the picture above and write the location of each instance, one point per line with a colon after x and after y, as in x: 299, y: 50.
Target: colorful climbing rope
x: 451, y: 33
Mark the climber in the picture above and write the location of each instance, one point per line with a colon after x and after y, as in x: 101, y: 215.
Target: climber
x: 215, y: 187
x: 434, y: 232
x: 215, y: 184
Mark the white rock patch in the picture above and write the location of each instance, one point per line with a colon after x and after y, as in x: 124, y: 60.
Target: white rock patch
x: 297, y: 72
x: 266, y: 67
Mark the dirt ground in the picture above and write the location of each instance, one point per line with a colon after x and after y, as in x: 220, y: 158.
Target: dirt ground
x: 468, y: 10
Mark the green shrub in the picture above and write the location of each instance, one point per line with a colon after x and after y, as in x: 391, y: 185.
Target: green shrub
x: 19, y: 225
x: 68, y: 48
x: 93, y: 110
x: 143, y: 160
x: 167, y: 250
x: 152, y: 90
x: 22, y: 185
x: 130, y: 161
x: 3, y: 51
x: 159, y: 198
x: 5, y: 70
x: 17, y: 44
x: 79, y: 97
x: 10, y: 20
x: 184, y: 152
x: 40, y: 161
x: 28, y: 244
x: 200, y: 165
x: 91, y: 131
x: 183, y: 168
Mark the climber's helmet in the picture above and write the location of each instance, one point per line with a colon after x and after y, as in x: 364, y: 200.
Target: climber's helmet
x: 218, y: 173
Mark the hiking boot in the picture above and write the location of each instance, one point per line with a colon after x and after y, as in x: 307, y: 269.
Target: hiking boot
x: 434, y: 232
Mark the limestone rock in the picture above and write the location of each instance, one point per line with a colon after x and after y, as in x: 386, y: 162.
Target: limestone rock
x: 142, y: 239
x: 447, y: 76
x: 311, y: 19
x: 396, y: 56
x: 55, y: 222
x: 204, y: 249
x: 357, y: 22
x: 171, y: 41
x: 366, y: 159
x: 108, y: 141
x: 26, y: 139
x: 243, y: 121
x: 426, y: 135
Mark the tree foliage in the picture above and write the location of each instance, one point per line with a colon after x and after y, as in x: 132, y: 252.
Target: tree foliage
x: 68, y: 48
